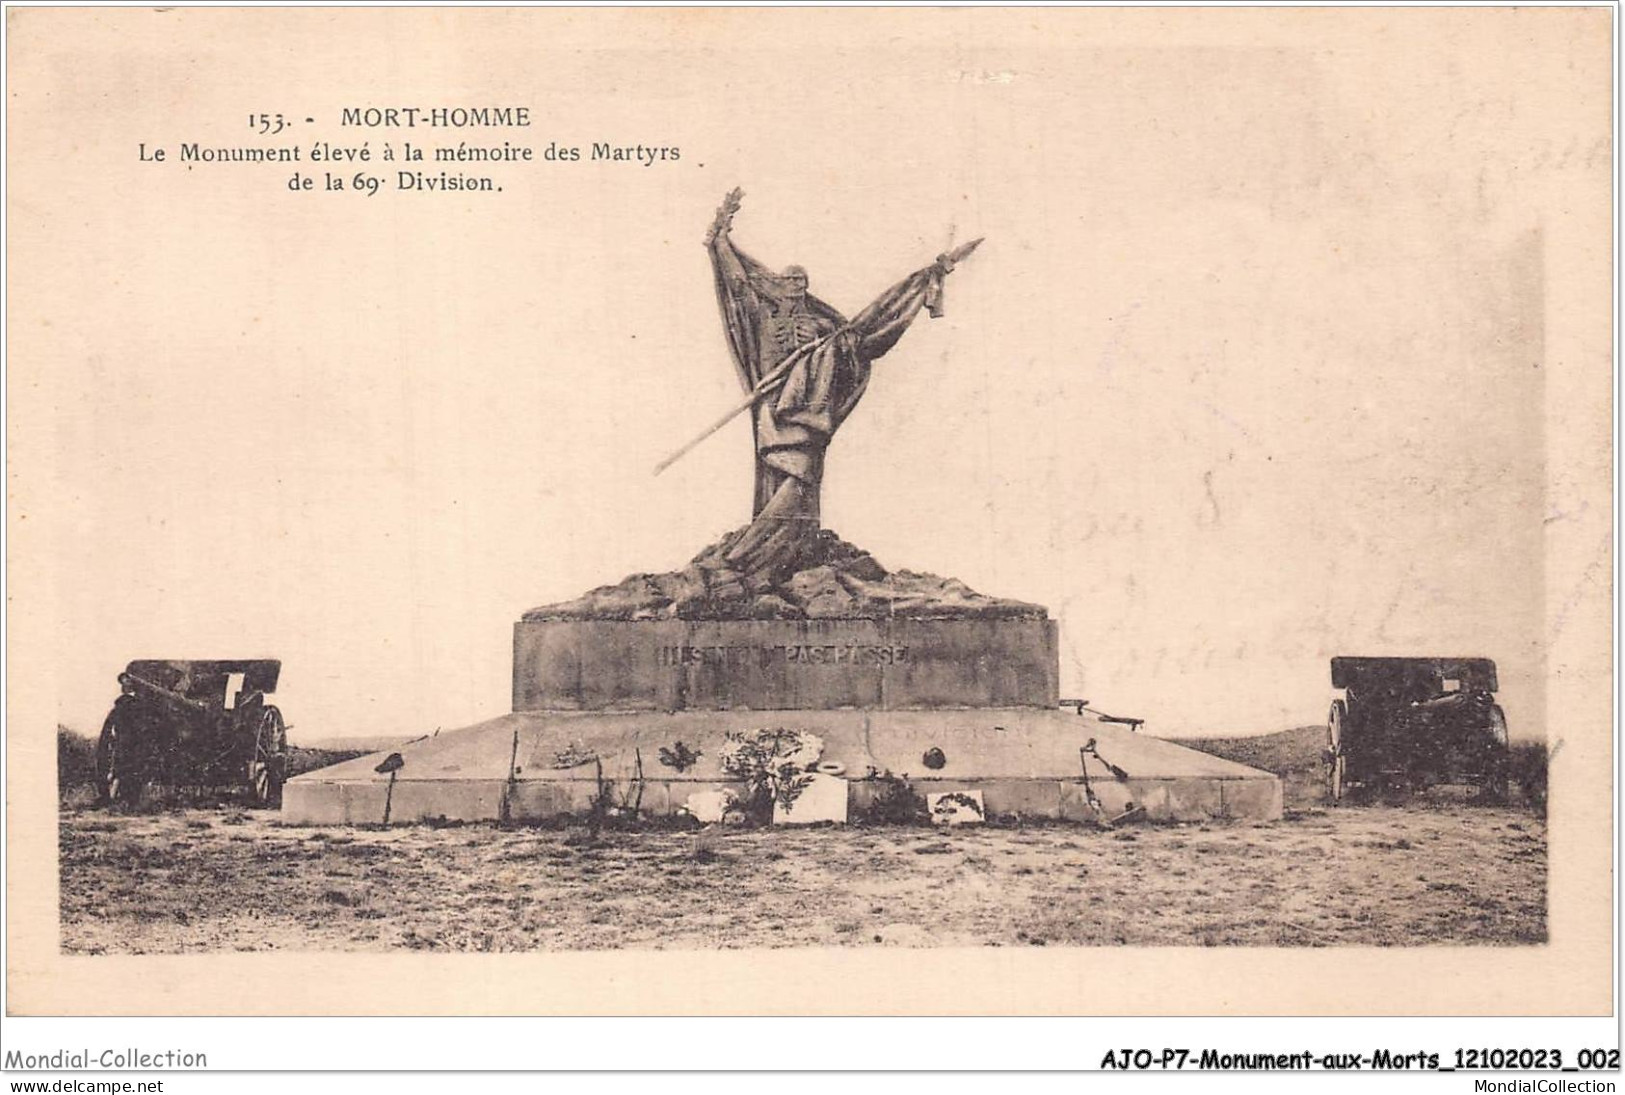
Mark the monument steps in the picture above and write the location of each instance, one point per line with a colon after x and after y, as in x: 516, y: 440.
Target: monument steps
x: 538, y: 765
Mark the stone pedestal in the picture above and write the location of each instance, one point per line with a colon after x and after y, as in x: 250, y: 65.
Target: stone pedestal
x: 783, y: 665
x: 959, y: 701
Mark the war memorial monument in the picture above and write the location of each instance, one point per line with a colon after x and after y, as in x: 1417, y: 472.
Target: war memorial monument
x: 785, y: 674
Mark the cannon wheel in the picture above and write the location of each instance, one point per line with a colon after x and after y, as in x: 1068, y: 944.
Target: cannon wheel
x: 265, y: 767
x: 1496, y: 783
x: 114, y: 780
x: 1337, y: 762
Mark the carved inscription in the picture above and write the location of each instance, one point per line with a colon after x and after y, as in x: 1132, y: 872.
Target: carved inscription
x: 833, y: 654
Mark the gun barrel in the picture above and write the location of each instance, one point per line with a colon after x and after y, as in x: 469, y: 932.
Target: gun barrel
x: 160, y: 692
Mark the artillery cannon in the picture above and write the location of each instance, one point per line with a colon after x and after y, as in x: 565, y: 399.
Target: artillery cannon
x: 1409, y: 723
x: 194, y: 724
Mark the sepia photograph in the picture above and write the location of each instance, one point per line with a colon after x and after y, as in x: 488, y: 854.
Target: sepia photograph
x: 1037, y: 499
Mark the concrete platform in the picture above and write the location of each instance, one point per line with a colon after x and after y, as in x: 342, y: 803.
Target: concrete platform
x: 1024, y: 760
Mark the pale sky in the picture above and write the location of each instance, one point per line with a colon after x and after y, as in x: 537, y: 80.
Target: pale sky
x: 1249, y: 372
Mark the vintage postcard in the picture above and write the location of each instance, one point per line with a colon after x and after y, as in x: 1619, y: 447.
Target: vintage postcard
x: 809, y: 511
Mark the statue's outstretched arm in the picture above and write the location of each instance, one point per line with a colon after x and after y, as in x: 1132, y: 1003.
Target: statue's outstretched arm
x: 736, y: 296
x: 725, y: 215
x: 880, y: 325
x: 733, y: 268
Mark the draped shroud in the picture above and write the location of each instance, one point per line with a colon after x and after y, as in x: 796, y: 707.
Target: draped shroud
x: 771, y: 325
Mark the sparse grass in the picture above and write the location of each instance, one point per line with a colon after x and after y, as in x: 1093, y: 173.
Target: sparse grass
x: 75, y: 767
x: 1373, y: 876
x: 301, y: 760
x: 1298, y: 757
x: 1294, y: 755
x: 1527, y: 773
x: 76, y: 770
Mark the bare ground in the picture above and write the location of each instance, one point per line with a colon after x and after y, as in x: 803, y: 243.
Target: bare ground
x: 223, y: 879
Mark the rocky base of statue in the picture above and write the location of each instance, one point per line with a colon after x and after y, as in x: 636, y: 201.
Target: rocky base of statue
x: 833, y: 580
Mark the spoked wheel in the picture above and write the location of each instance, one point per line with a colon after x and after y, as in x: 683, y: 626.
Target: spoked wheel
x: 265, y: 767
x: 116, y: 782
x: 1336, y: 761
x: 1497, y: 777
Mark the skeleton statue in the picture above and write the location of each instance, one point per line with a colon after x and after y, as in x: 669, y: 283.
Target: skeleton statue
x: 804, y: 366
